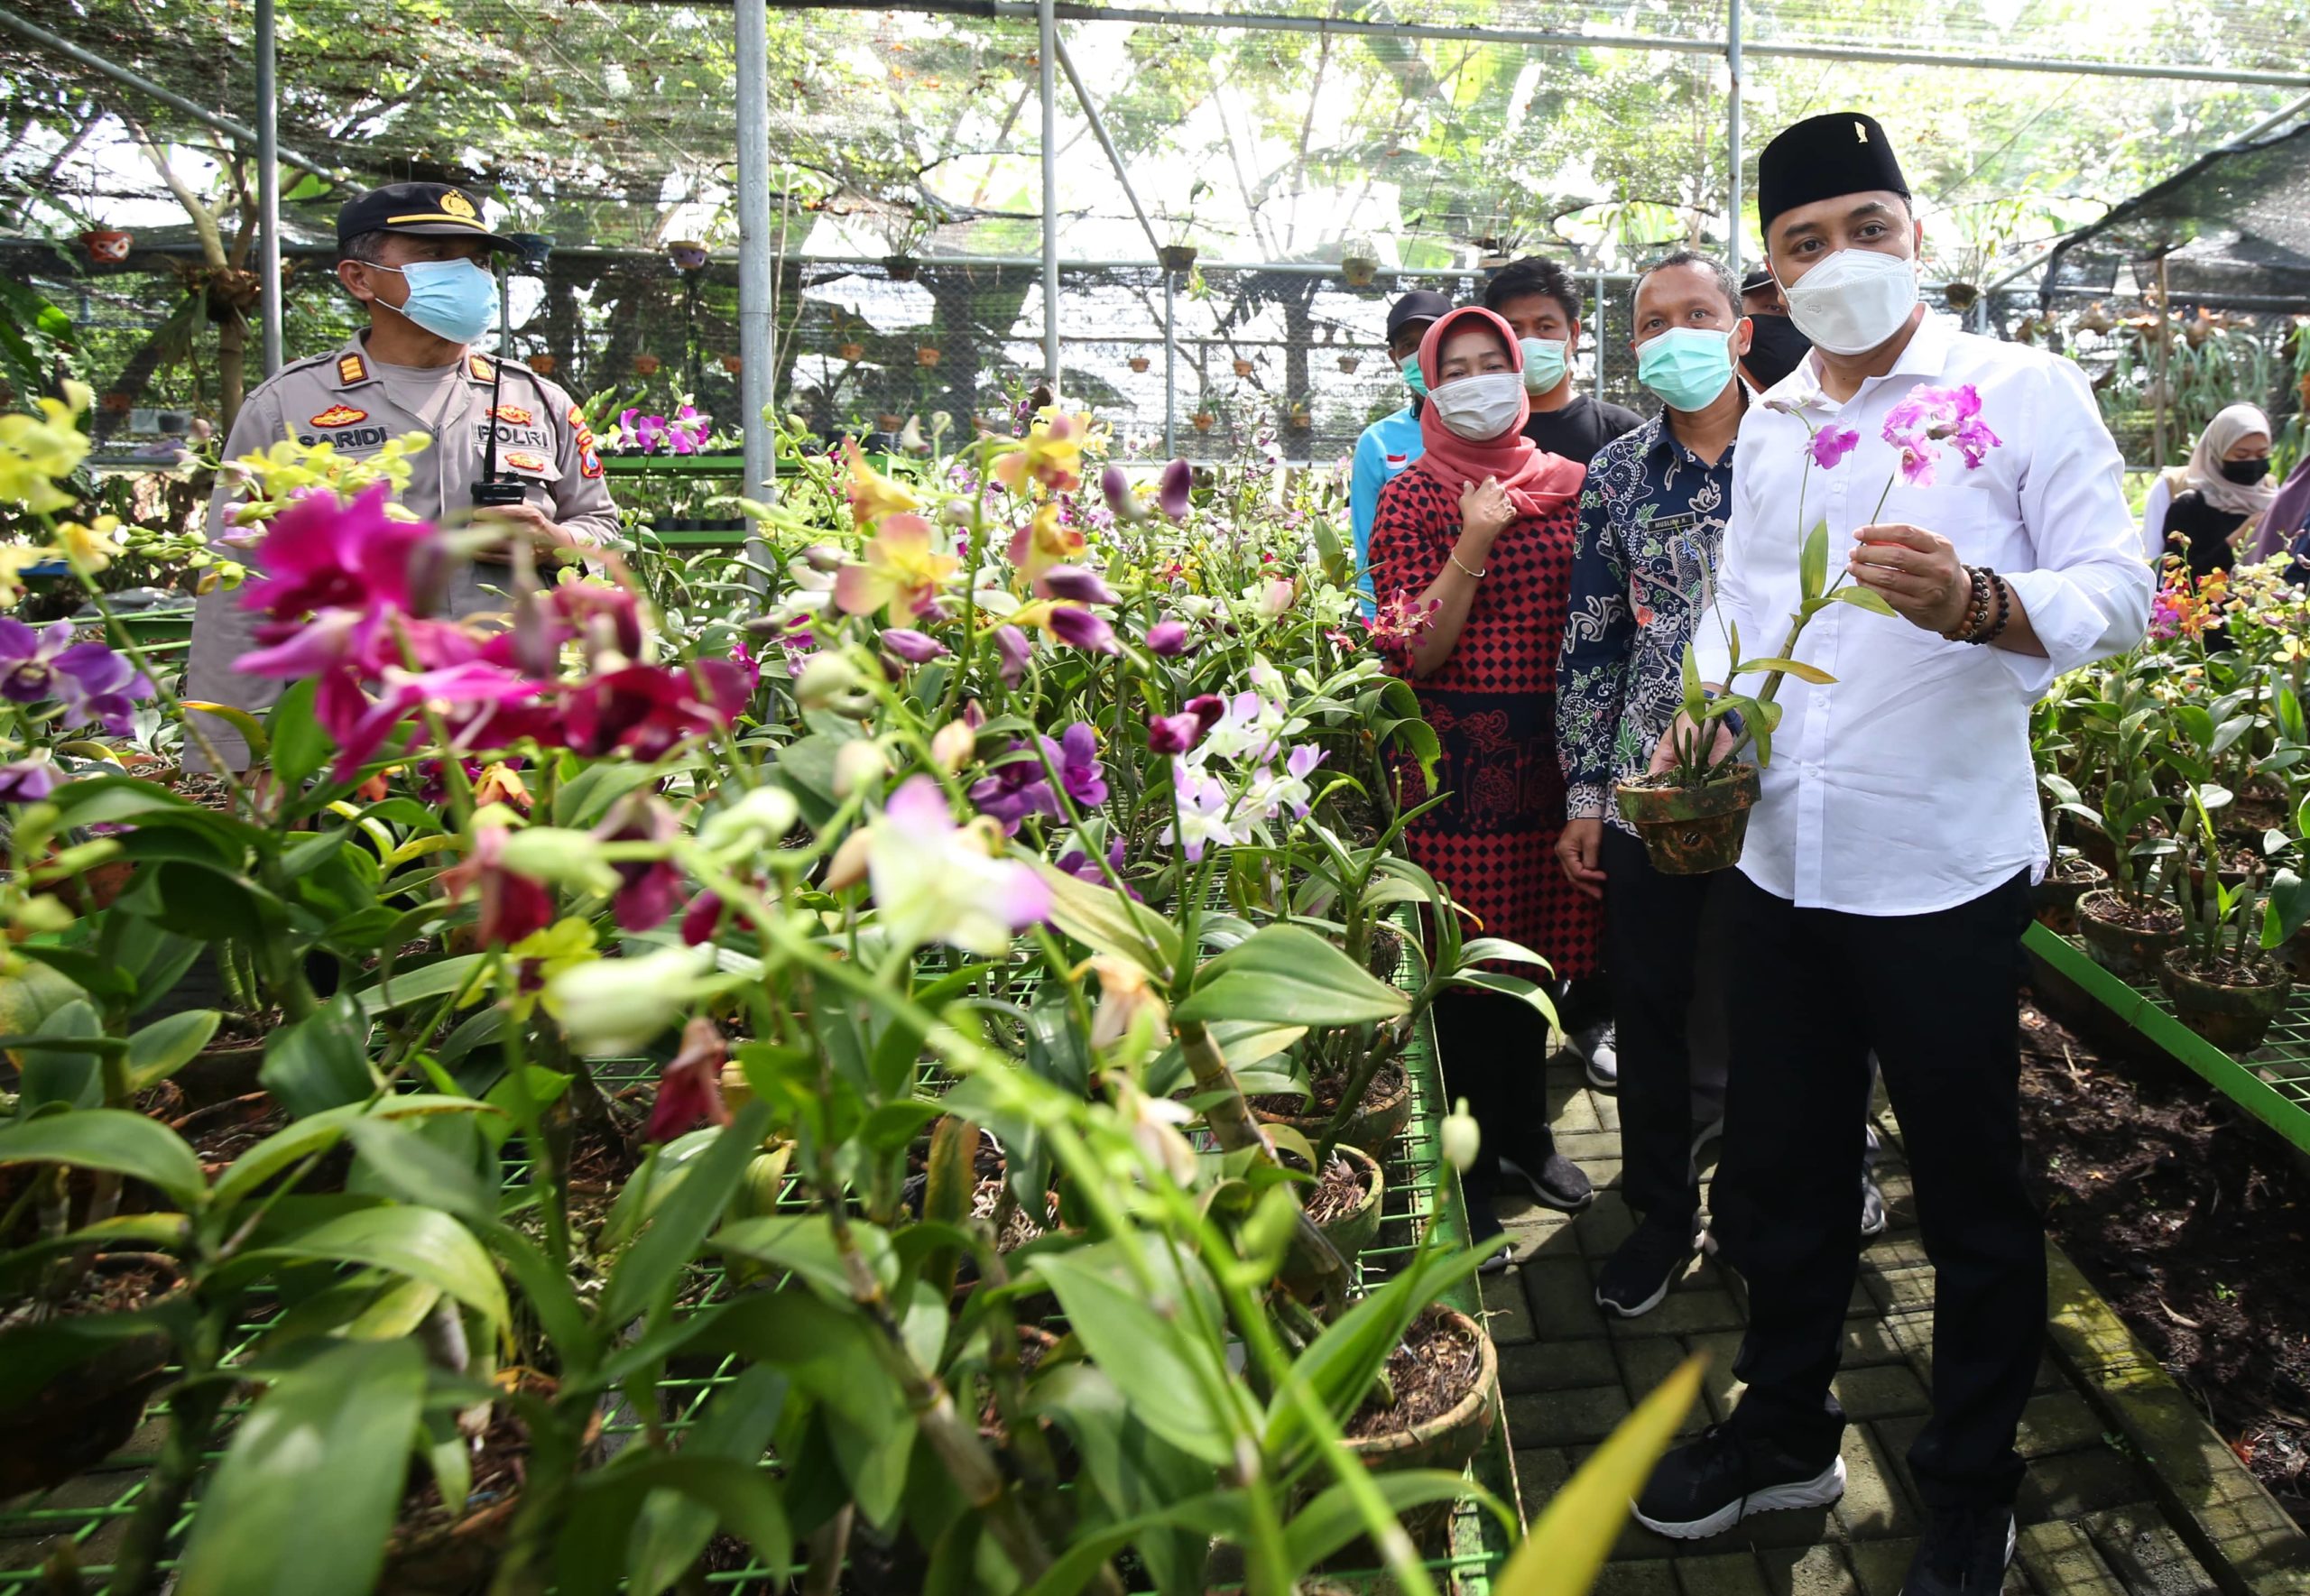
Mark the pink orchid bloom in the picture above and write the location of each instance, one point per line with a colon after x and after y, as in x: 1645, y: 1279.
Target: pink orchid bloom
x: 323, y: 554
x: 934, y: 880
x: 648, y: 709
x: 648, y: 888
x: 1829, y: 446
x: 690, y: 1088
x: 513, y: 906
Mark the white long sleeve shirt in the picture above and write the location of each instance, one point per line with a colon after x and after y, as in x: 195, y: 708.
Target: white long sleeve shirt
x: 1907, y: 786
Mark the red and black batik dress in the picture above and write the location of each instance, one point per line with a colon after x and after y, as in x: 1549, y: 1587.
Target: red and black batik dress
x: 1491, y: 843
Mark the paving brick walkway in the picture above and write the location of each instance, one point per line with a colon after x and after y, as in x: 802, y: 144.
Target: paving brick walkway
x: 1568, y: 1373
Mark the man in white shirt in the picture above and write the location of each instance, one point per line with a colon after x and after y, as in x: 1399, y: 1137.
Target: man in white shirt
x: 1882, y: 894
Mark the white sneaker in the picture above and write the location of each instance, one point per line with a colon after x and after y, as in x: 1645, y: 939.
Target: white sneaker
x: 1597, y: 1048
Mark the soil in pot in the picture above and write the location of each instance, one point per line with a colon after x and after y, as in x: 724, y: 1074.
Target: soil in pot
x: 2230, y: 1004
x: 2127, y: 936
x: 1378, y: 1121
x: 2191, y: 1222
x: 1443, y: 1379
x: 1690, y: 830
x: 69, y: 1425
x: 220, y: 1132
x: 434, y: 1553
x: 1344, y: 1204
x: 2054, y: 899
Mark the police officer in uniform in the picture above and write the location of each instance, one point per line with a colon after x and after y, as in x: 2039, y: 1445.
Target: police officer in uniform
x: 417, y: 255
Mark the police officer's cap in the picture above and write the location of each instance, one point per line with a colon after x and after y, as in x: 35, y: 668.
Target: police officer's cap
x: 429, y: 210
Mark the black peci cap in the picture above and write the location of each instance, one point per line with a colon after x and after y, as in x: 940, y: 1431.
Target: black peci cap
x: 1822, y: 157
x: 430, y: 210
x: 1420, y: 304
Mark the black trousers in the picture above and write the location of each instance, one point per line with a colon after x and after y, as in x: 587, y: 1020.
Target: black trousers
x: 1652, y: 934
x: 1936, y: 995
x: 1495, y: 1051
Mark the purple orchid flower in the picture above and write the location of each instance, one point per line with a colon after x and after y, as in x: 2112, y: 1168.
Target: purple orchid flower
x: 1014, y: 649
x: 1830, y: 446
x: 93, y: 683
x: 28, y: 781
x: 1015, y: 789
x: 916, y: 648
x: 1078, y: 584
x: 1079, y: 770
x: 1116, y: 488
x: 1077, y: 626
x: 1171, y: 493
x: 1079, y: 864
x: 1169, y: 639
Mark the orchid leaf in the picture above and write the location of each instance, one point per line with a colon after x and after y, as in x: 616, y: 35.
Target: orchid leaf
x: 1864, y: 598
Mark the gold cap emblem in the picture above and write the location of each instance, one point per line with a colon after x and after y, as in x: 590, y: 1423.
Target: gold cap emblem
x: 456, y: 204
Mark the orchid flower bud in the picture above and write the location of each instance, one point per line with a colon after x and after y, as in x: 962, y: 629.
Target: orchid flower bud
x: 858, y: 763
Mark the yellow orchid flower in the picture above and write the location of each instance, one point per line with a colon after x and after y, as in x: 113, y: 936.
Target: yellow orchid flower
x: 900, y: 572
x: 14, y: 559
x: 89, y: 547
x: 542, y: 955
x: 873, y: 495
x: 36, y: 453
x: 1050, y: 454
x: 1044, y: 542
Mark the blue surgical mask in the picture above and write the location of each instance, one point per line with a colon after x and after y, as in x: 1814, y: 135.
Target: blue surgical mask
x: 1412, y: 379
x: 1544, y: 363
x: 1686, y: 366
x: 452, y: 300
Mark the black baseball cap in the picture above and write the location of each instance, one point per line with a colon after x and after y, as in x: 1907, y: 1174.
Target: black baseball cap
x: 1758, y: 277
x: 429, y: 210
x: 1420, y: 304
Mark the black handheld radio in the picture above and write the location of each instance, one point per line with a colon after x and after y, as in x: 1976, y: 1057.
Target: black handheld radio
x: 489, y: 492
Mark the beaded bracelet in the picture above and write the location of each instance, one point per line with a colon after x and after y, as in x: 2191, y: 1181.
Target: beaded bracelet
x: 1976, y: 619
x: 2004, y: 608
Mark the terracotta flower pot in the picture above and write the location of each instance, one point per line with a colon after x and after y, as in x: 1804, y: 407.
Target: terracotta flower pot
x: 106, y: 246
x: 1352, y: 1232
x: 543, y: 364
x: 1139, y: 363
x: 925, y: 357
x: 901, y: 267
x: 2123, y: 949
x: 1374, y: 1125
x: 1361, y: 271
x: 646, y: 365
x: 1348, y: 362
x: 734, y: 363
x: 1204, y: 421
x: 1242, y: 368
x: 1177, y: 257
x: 2054, y: 899
x: 853, y: 352
x: 1691, y: 830
x: 2294, y: 955
x: 2233, y: 1016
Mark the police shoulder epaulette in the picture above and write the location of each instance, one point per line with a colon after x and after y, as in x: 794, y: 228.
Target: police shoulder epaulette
x: 352, y: 368
x: 479, y: 369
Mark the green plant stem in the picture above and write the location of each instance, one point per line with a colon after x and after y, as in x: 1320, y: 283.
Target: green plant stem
x: 193, y: 1408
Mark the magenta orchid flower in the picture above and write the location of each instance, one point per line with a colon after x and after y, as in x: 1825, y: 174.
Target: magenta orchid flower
x: 648, y: 888
x: 1169, y: 639
x: 1831, y: 446
x: 29, y: 780
x: 916, y: 648
x: 1171, y: 494
x: 513, y: 906
x: 321, y: 553
x: 1078, y: 585
x: 1079, y: 628
x: 1012, y: 648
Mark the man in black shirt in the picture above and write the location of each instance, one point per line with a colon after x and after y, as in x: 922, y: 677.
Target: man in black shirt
x: 1536, y: 297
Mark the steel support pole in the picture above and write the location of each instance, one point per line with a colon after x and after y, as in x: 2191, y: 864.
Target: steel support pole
x: 755, y: 331
x: 1114, y: 157
x: 268, y: 180
x: 146, y: 87
x: 1170, y: 363
x: 1047, y: 18
x: 1733, y: 153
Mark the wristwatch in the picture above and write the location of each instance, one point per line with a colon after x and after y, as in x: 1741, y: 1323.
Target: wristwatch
x: 1733, y: 718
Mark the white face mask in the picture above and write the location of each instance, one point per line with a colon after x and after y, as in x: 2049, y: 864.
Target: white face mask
x: 1478, y: 408
x: 1855, y: 300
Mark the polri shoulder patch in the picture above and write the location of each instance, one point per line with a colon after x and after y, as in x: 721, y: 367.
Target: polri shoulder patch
x: 338, y: 415
x: 352, y: 368
x: 478, y: 368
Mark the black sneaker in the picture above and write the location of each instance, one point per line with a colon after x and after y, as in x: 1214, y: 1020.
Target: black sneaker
x: 1645, y: 1266
x: 1708, y: 1486
x: 1597, y: 1048
x: 1965, y: 1550
x: 1554, y: 1180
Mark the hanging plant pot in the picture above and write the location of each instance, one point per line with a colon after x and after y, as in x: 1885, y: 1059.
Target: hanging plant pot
x: 1299, y: 420
x: 2127, y: 936
x: 2054, y: 899
x: 901, y: 268
x: 889, y: 421
x: 851, y: 353
x: 543, y: 364
x: 117, y: 404
x: 734, y: 363
x: 1348, y: 362
x: 646, y: 365
x: 1139, y: 363
x: 1204, y: 421
x: 1177, y: 257
x: 1961, y: 297
x: 1242, y: 368
x: 106, y: 246
x: 1691, y: 830
x: 686, y: 254
x: 925, y: 357
x: 1361, y: 271
x: 2229, y: 1006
